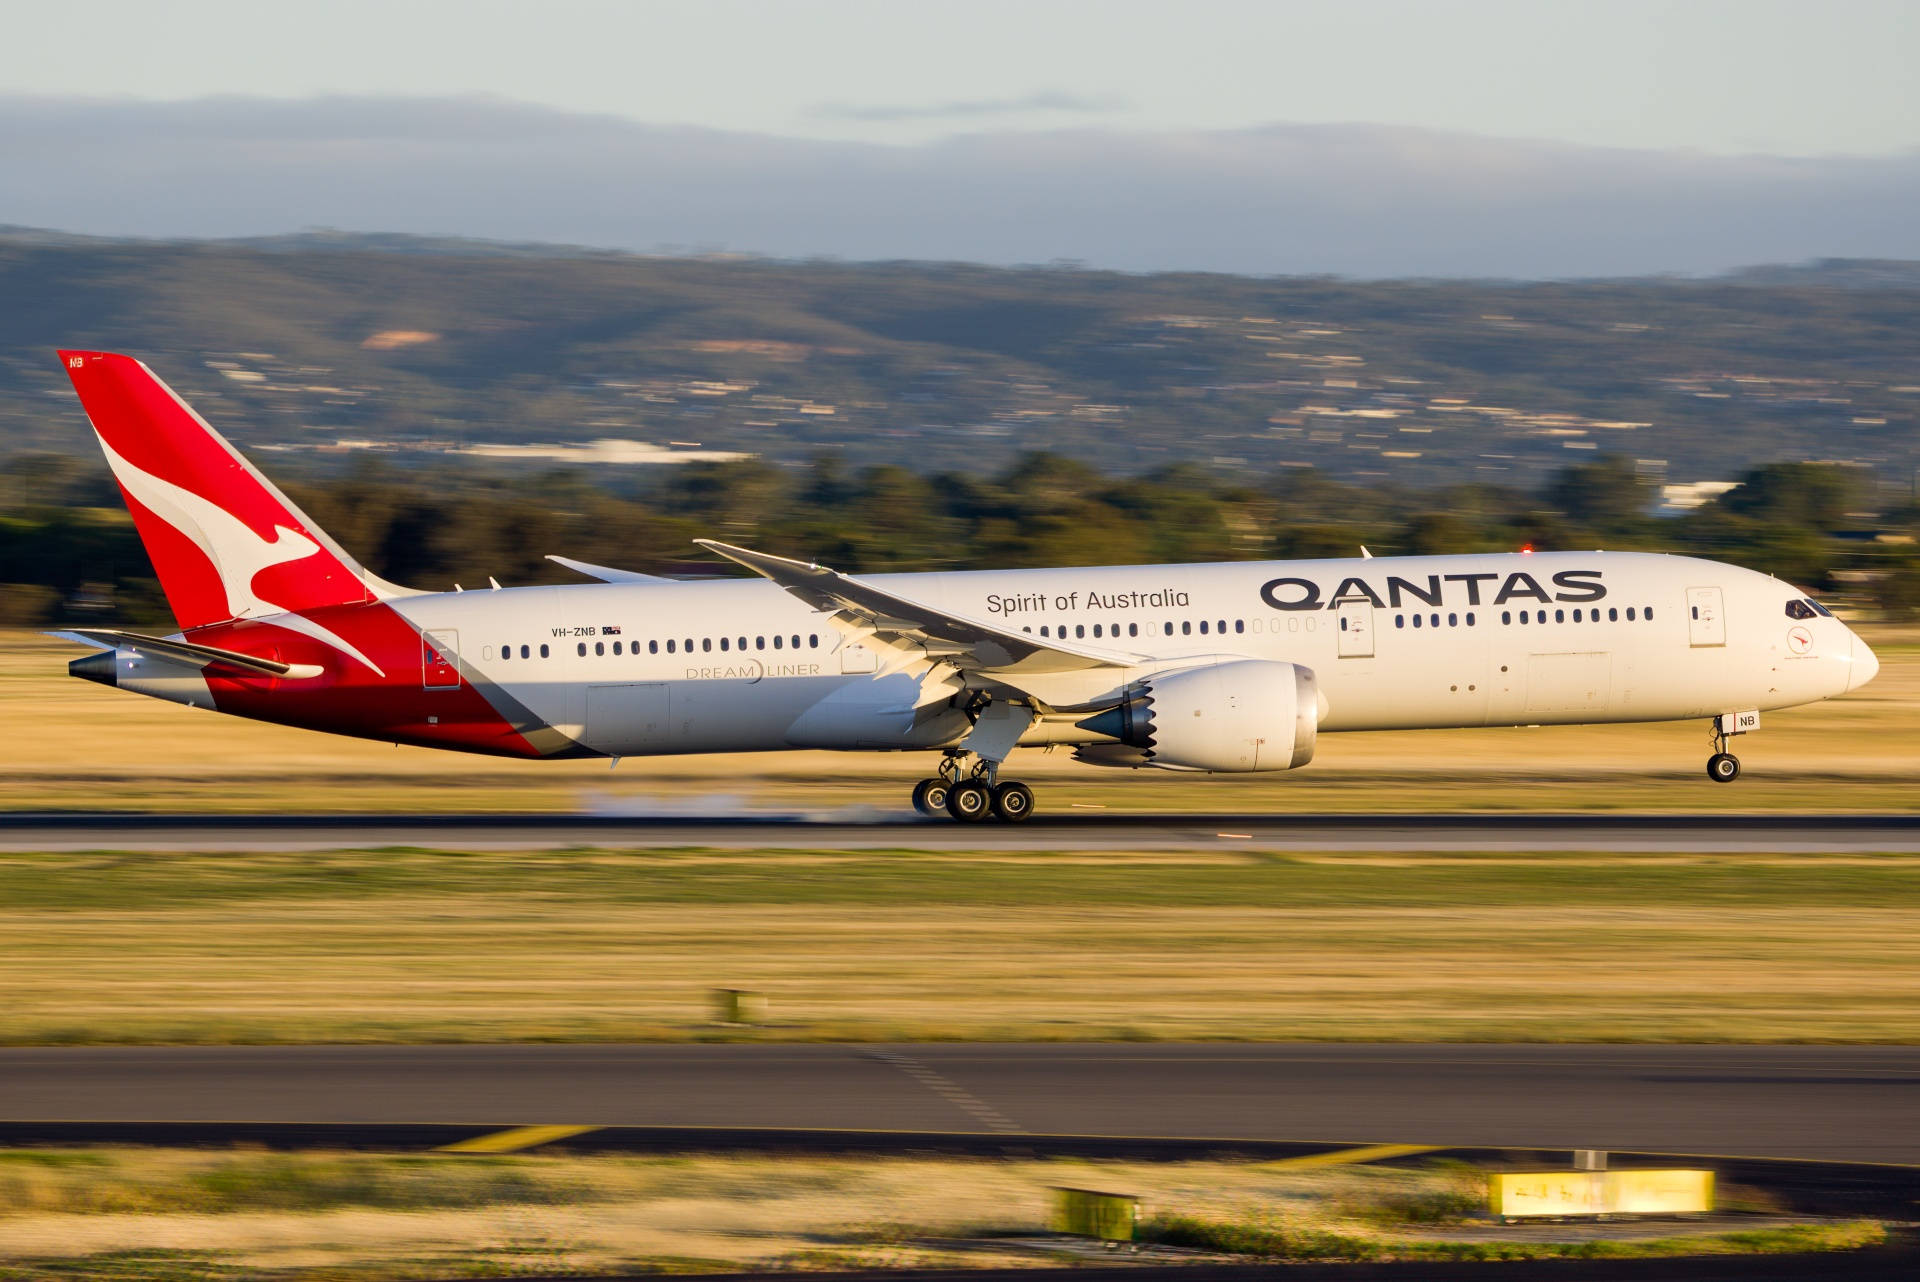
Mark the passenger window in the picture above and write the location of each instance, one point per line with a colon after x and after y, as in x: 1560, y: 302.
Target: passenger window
x: 1646, y: 612
x: 616, y: 647
x: 1079, y: 629
x: 1223, y: 627
x: 1399, y: 620
x: 1559, y: 616
x: 1436, y: 619
x: 743, y: 643
x: 706, y: 644
x: 1453, y: 620
x: 1613, y: 614
x: 1203, y: 627
x: 1629, y: 614
x: 1576, y: 616
x: 813, y: 641
x: 776, y: 640
x: 653, y: 647
x: 1524, y: 616
x: 1416, y: 621
x: 669, y: 645
x: 1043, y: 630
x: 600, y: 647
x: 1096, y: 630
x: 1133, y: 629
x: 1469, y: 618
x: 1186, y: 627
x: 1506, y: 616
x: 543, y: 650
x: 583, y: 649
x: 1169, y: 628
x: 759, y: 643
x: 1239, y: 626
x: 723, y: 643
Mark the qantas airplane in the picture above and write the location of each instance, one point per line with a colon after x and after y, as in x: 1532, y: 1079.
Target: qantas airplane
x: 1214, y: 668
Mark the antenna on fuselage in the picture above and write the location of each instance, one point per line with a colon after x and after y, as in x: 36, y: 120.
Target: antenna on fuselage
x: 1364, y: 554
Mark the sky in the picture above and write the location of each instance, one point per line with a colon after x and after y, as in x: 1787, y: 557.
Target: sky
x: 1366, y: 137
x: 1790, y: 77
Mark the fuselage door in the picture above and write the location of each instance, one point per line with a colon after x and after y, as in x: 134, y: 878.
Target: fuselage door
x: 1706, y: 621
x: 1354, y: 619
x: 440, y: 659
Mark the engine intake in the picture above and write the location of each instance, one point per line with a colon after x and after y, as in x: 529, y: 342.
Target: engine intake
x: 1243, y: 715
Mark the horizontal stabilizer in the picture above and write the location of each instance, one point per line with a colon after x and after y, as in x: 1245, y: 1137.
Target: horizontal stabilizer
x: 606, y: 573
x: 186, y: 652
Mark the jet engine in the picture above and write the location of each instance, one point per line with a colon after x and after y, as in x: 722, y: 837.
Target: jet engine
x: 1244, y: 715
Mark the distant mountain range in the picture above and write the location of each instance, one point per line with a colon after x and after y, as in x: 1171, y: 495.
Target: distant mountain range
x: 1358, y: 200
x: 319, y: 347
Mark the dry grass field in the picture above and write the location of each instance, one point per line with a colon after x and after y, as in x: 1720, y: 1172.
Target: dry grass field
x: 73, y: 745
x: 137, y: 1214
x: 586, y: 945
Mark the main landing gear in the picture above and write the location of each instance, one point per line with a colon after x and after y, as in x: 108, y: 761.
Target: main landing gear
x: 969, y: 789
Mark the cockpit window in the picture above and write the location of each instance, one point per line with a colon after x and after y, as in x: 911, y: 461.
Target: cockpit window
x: 1818, y: 608
x: 1800, y: 610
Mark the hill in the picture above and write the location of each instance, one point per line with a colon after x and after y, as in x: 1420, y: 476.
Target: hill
x: 327, y: 344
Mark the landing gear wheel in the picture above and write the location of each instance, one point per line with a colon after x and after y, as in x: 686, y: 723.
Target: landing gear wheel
x: 1013, y: 803
x: 930, y: 797
x: 1723, y: 767
x: 969, y: 801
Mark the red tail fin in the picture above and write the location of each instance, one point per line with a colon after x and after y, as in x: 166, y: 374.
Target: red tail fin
x: 225, y: 542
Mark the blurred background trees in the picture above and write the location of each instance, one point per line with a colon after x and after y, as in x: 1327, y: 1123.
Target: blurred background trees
x: 69, y: 552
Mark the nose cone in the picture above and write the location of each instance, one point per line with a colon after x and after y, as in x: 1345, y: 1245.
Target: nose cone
x: 99, y: 666
x: 1865, y: 666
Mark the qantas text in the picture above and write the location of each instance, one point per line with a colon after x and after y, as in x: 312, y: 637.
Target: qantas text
x: 1436, y: 589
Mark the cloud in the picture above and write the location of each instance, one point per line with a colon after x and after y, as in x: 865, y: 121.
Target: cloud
x: 1356, y: 200
x: 1045, y: 102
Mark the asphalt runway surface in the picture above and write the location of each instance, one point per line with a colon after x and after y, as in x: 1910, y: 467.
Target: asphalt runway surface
x: 1077, y: 830
x: 1825, y: 1103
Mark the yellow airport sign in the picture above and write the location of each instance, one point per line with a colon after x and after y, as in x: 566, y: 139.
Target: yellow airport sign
x: 1522, y: 1193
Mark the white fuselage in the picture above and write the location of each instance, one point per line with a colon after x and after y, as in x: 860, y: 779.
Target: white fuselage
x: 1395, y: 643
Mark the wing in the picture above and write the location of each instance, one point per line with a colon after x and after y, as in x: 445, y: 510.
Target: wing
x: 605, y: 573
x: 972, y: 645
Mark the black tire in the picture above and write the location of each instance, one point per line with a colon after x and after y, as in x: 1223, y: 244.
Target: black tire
x: 1013, y: 803
x: 1723, y: 767
x: 930, y: 797
x: 969, y: 801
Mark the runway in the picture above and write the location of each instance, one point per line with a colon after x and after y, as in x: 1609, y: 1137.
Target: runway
x: 1826, y: 1103
x: 1078, y: 830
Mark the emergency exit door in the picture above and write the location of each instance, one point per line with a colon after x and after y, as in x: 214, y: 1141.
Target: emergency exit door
x: 1354, y: 619
x: 1706, y: 621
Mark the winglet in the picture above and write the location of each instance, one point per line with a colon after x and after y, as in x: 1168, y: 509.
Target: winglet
x: 606, y: 573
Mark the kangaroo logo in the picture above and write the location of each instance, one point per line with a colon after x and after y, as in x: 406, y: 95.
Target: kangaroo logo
x: 238, y: 555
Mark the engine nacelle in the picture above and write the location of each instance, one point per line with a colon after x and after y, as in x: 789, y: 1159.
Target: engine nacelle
x: 1244, y: 715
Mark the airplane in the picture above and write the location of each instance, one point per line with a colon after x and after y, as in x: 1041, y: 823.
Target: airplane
x: 1219, y: 668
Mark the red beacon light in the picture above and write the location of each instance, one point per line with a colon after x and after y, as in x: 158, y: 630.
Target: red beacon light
x: 1526, y: 549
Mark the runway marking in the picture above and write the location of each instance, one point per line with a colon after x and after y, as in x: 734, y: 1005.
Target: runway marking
x: 954, y: 1093
x: 1349, y: 1156
x: 512, y: 1141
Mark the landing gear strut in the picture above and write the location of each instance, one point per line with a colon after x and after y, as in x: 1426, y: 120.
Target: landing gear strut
x: 970, y: 790
x: 1723, y: 766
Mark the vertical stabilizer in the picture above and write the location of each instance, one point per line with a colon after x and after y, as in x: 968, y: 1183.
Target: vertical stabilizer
x: 226, y: 543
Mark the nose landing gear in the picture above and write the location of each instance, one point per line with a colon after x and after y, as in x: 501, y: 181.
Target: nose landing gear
x: 969, y: 789
x: 1723, y: 766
